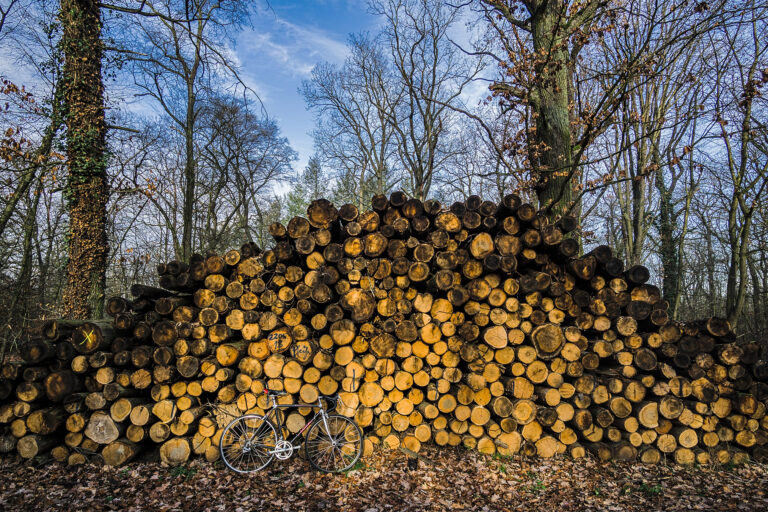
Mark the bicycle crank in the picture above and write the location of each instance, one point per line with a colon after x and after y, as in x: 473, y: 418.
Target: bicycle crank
x: 283, y: 450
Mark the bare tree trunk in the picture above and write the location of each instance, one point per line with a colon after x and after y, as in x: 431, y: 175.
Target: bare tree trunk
x: 738, y: 148
x: 23, y: 280
x: 40, y: 155
x: 710, y: 264
x: 737, y: 270
x: 190, y: 176
x: 87, y: 190
x: 675, y: 305
x: 758, y: 312
x: 44, y: 263
x: 762, y: 280
x: 361, y: 190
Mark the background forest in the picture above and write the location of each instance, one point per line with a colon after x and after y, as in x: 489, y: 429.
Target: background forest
x: 647, y: 119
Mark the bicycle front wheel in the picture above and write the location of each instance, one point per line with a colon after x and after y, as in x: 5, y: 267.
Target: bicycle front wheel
x: 248, y: 443
x: 335, y: 447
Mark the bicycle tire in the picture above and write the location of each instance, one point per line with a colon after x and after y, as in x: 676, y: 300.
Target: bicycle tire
x: 336, y: 449
x: 248, y: 443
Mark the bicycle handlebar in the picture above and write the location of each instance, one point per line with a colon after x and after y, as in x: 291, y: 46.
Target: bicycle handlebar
x: 332, y: 400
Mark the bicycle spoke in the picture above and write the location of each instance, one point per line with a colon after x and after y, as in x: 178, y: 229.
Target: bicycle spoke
x: 334, y: 444
x: 326, y: 454
x: 240, y: 429
x: 236, y: 455
x: 247, y: 442
x: 262, y: 429
x: 251, y: 456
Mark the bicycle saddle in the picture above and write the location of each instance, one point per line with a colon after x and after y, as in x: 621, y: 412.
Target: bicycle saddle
x: 272, y: 392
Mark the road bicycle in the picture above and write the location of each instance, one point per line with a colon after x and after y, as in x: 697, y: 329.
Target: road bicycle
x: 333, y: 443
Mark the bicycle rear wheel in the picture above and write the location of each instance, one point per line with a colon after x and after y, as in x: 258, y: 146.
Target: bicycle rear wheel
x: 335, y: 448
x: 248, y: 443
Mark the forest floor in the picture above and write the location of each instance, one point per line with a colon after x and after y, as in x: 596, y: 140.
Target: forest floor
x: 445, y: 479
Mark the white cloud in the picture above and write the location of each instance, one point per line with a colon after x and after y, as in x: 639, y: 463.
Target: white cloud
x: 294, y: 48
x: 317, y: 41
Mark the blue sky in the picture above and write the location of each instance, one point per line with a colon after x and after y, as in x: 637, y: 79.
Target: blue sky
x: 287, y: 39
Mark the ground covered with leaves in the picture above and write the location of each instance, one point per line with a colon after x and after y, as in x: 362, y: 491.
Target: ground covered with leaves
x: 445, y: 479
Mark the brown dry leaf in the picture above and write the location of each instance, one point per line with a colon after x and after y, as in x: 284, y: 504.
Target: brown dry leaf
x: 451, y: 480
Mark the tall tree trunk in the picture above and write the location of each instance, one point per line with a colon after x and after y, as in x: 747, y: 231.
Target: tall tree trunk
x: 552, y: 152
x: 670, y: 266
x: 87, y: 189
x: 758, y: 311
x: 381, y: 178
x: 737, y: 271
x: 710, y: 264
x: 16, y: 316
x: 639, y: 219
x: 361, y: 189
x: 46, y: 258
x: 39, y: 158
x: 190, y: 177
x: 763, y: 277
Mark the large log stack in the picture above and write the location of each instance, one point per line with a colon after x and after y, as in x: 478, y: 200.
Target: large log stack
x: 476, y: 325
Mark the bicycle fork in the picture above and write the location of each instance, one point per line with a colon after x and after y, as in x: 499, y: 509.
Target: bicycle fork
x: 324, y: 416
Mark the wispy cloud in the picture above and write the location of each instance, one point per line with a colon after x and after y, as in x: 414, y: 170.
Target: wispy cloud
x: 287, y: 40
x: 290, y: 48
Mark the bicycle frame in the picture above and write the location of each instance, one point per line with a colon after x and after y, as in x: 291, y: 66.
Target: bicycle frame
x: 272, y: 415
x: 247, y: 448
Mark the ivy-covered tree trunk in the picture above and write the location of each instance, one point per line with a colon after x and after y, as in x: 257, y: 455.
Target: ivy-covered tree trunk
x: 550, y: 148
x: 87, y: 190
x: 668, y: 243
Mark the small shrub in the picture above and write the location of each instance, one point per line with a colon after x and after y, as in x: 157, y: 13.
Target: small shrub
x: 651, y: 490
x: 183, y: 471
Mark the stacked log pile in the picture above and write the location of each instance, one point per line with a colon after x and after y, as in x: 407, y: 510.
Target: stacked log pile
x: 476, y: 325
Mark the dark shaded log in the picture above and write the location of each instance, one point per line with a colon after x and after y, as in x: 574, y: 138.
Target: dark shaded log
x: 637, y: 274
x: 92, y: 336
x: 36, y: 351
x: 59, y: 385
x: 718, y: 326
x: 117, y: 305
x: 149, y: 292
